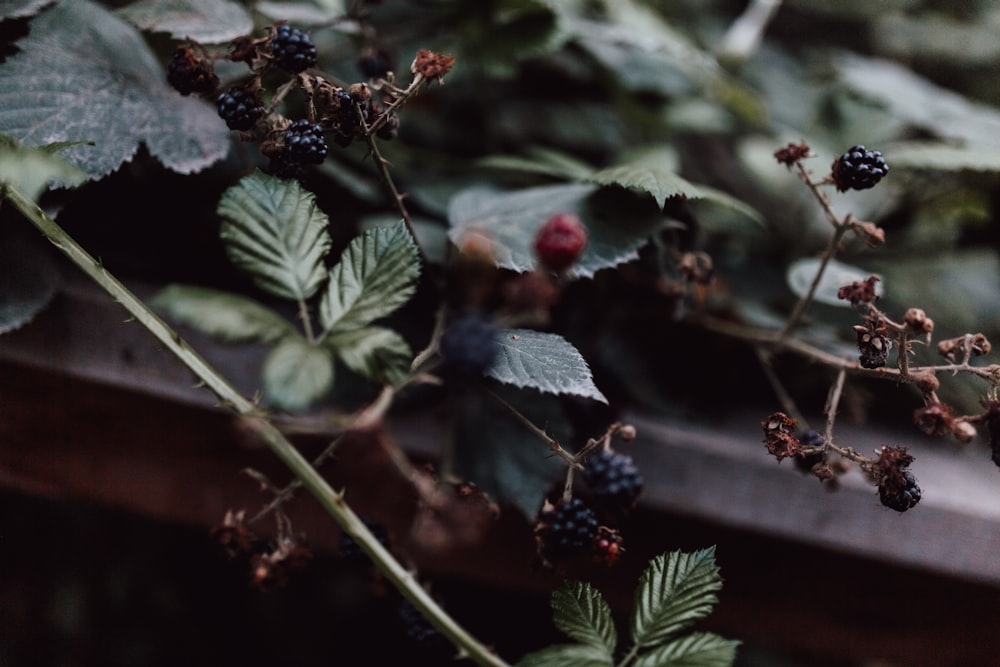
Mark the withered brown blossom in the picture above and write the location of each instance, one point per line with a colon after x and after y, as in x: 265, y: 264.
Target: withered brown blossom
x: 860, y: 291
x: 779, y: 436
x: 792, y: 153
x: 432, y: 65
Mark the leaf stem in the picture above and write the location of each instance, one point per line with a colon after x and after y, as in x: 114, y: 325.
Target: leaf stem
x: 333, y: 502
x: 530, y: 425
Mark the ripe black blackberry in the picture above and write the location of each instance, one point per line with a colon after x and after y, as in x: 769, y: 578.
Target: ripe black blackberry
x: 292, y: 49
x: 900, y: 492
x: 188, y: 73
x: 614, y: 480
x: 565, y: 530
x: 305, y: 143
x: 375, y: 64
x: 468, y: 348
x: 859, y: 169
x: 239, y: 108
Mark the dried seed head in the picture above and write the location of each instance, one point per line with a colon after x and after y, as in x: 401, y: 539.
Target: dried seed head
x: 963, y: 431
x: 778, y: 435
x: 860, y: 291
x: 935, y: 419
x: 918, y: 322
x: 792, y: 153
x: 432, y: 65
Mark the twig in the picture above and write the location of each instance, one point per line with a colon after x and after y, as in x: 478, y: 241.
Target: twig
x: 542, y: 435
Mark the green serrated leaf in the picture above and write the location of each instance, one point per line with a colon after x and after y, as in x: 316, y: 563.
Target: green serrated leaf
x: 15, y: 9
x: 376, y: 353
x: 543, y: 361
x: 567, y: 655
x: 205, y: 21
x: 699, y: 649
x: 229, y: 317
x: 943, y: 157
x: 652, y: 172
x: 84, y: 73
x: 297, y: 373
x: 801, y: 273
x: 376, y: 274
x: 32, y: 170
x: 273, y: 230
x: 617, y: 227
x: 581, y: 612
x: 675, y: 590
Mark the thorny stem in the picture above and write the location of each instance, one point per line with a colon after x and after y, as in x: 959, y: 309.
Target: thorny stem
x: 530, y: 425
x: 382, y: 167
x: 831, y: 407
x: 331, y: 501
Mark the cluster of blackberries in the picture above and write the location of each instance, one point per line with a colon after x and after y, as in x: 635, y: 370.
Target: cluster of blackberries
x: 859, y: 169
x: 468, y: 348
x: 614, y: 481
x: 565, y: 530
x: 188, y: 73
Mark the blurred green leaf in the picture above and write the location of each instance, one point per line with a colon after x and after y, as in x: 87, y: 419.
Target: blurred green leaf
x: 567, y: 655
x: 28, y: 277
x: 375, y: 353
x: 297, y: 373
x: 922, y: 156
x: 229, y: 317
x: 800, y: 275
x: 33, y: 170
x: 205, y: 21
x: 273, y: 230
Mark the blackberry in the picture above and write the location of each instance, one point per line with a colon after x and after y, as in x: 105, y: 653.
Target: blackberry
x: 292, y: 49
x: 305, y: 143
x: 859, y: 169
x: 614, y: 480
x: 188, y: 73
x: 565, y: 530
x: 375, y: 64
x: 240, y: 109
x: 468, y: 348
x: 905, y: 494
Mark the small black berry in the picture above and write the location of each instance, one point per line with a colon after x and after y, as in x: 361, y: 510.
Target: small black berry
x: 292, y: 49
x: 375, y: 64
x: 468, y: 348
x: 240, y: 109
x: 902, y: 498
x: 859, y: 169
x: 281, y: 167
x: 613, y: 479
x: 810, y: 438
x: 305, y: 143
x: 565, y: 529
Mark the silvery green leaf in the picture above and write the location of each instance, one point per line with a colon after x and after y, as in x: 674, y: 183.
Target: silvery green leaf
x: 229, y: 317
x: 205, y: 21
x: 297, y: 373
x: 543, y: 361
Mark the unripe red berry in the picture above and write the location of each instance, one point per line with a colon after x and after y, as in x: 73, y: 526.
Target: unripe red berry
x: 560, y: 241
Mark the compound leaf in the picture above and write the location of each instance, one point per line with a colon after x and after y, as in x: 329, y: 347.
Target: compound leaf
x: 543, y: 361
x: 229, y: 317
x: 567, y: 655
x: 376, y: 353
x: 85, y: 74
x: 699, y: 649
x: 616, y: 226
x: 205, y: 21
x: 273, y: 230
x: 376, y: 274
x: 297, y: 373
x: 581, y: 612
x: 675, y: 590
